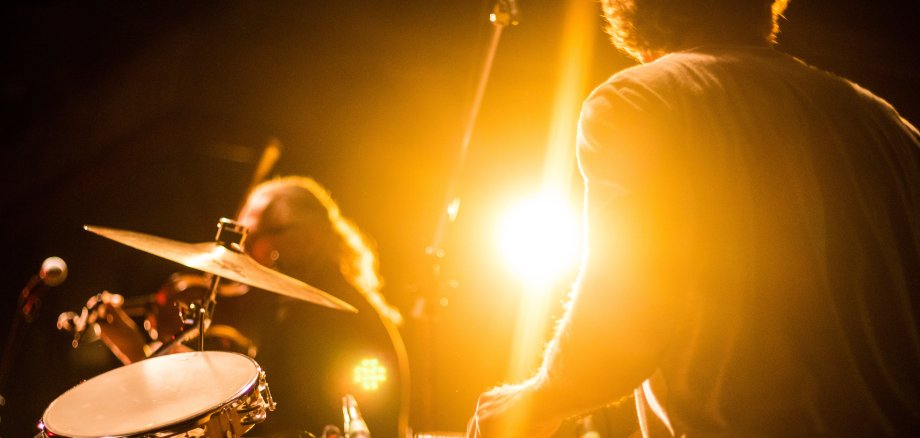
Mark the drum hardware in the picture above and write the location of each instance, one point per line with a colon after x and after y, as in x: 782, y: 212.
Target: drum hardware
x: 160, y: 313
x: 223, y: 258
x: 228, y: 421
x: 253, y: 409
x: 84, y: 329
x: 79, y: 324
x: 212, y: 373
x: 218, y: 394
x: 195, y: 318
x: 224, y: 261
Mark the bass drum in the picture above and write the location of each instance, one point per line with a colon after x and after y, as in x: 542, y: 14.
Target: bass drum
x: 195, y: 394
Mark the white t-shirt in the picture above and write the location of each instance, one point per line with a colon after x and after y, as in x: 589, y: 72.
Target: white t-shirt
x: 797, y: 195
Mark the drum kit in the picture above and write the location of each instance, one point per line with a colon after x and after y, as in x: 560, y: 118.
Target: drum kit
x: 189, y: 394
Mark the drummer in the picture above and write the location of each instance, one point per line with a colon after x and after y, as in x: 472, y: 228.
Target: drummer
x: 309, y: 352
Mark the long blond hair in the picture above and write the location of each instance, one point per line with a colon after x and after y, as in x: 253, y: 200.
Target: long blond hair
x: 296, y: 200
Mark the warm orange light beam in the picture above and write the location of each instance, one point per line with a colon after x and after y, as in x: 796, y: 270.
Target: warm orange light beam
x: 539, y: 239
x: 559, y: 167
x: 575, y: 62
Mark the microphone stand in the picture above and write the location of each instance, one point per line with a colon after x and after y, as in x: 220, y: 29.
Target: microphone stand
x: 504, y: 13
x: 27, y: 306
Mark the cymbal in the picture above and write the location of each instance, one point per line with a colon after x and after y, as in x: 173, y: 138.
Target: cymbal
x: 214, y: 258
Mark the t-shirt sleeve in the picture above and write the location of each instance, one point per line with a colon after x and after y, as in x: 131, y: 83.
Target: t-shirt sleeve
x: 637, y: 185
x: 622, y: 137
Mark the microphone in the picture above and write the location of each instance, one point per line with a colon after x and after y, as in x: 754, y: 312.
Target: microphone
x: 53, y: 272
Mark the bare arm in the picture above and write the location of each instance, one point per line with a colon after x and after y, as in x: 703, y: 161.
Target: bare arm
x: 627, y: 301
x: 619, y: 320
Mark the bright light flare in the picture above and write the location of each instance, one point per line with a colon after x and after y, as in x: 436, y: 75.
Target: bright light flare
x: 370, y: 374
x: 539, y: 238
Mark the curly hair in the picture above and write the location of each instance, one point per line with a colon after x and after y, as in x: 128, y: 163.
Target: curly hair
x: 639, y: 27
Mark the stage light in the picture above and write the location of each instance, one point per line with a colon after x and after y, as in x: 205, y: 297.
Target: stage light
x: 539, y: 238
x: 370, y: 374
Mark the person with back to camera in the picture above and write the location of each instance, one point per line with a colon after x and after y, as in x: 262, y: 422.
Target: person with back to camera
x: 753, y: 243
x: 308, y: 352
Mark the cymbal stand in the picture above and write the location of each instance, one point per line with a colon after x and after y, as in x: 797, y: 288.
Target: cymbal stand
x: 201, y: 312
x: 503, y: 13
x: 197, y: 318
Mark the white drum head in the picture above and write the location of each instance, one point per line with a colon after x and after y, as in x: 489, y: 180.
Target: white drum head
x: 149, y: 395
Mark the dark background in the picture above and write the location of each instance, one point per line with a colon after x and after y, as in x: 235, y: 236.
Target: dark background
x: 150, y: 116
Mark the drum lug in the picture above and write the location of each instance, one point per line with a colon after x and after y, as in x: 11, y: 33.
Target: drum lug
x: 266, y: 392
x: 225, y: 424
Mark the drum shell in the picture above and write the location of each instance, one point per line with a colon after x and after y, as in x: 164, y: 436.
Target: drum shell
x: 180, y: 394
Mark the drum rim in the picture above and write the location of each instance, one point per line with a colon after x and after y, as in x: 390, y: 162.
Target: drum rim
x: 175, y: 425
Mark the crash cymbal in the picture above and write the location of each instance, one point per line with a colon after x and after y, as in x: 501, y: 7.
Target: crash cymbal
x: 216, y: 259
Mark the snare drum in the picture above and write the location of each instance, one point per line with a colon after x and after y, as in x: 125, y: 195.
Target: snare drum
x: 196, y: 394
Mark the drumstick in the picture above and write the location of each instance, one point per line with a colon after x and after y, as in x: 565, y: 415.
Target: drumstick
x: 270, y: 155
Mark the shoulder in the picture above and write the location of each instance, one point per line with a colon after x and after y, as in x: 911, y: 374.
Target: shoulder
x: 621, y: 127
x: 630, y: 126
x: 649, y: 90
x: 631, y: 106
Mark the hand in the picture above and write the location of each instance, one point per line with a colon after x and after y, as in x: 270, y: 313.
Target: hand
x: 509, y: 411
